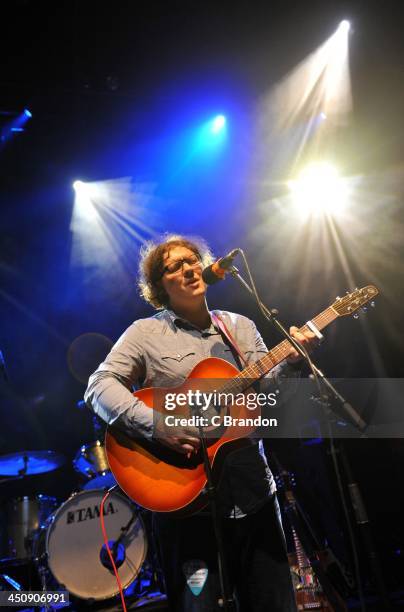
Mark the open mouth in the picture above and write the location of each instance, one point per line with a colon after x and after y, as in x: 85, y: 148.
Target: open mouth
x: 193, y: 283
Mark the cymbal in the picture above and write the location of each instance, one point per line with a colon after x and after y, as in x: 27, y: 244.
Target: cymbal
x: 26, y: 463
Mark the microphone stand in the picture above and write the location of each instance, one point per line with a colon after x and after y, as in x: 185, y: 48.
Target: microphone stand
x: 327, y: 393
x: 271, y: 314
x: 227, y: 602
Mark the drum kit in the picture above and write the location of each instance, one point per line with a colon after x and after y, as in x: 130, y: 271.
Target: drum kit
x: 64, y: 543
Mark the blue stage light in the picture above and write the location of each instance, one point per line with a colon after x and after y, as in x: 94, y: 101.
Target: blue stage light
x: 218, y: 124
x: 27, y: 113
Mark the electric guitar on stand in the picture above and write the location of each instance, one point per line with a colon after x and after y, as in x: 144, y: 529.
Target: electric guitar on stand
x: 163, y: 480
x: 312, y: 587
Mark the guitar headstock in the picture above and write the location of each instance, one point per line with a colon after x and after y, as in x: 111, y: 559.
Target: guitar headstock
x: 351, y: 302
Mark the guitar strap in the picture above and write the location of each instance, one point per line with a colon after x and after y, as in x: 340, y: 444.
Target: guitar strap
x: 221, y: 325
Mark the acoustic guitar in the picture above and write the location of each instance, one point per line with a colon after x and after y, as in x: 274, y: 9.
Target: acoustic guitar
x: 163, y: 480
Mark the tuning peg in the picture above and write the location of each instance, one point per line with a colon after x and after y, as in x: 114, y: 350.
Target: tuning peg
x: 372, y: 304
x: 356, y: 316
x: 337, y: 298
x: 364, y: 308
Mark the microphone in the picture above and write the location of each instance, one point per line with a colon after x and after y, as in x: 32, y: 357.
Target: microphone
x: 118, y: 552
x: 216, y: 271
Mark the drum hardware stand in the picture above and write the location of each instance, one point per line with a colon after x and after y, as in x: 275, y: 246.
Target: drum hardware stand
x: 157, y: 580
x: 10, y: 479
x: 124, y: 531
x: 227, y: 601
x: 21, y: 473
x: 6, y: 582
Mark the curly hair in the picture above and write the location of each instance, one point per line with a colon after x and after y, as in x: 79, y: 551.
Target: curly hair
x: 151, y: 265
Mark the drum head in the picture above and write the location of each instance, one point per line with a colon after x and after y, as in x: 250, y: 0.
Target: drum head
x: 74, y: 542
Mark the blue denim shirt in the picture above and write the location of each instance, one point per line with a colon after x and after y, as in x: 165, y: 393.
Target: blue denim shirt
x: 160, y: 351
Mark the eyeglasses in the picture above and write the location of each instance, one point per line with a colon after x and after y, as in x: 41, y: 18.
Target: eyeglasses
x: 175, y: 266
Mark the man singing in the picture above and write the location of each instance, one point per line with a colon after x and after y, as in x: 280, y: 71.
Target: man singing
x: 160, y: 351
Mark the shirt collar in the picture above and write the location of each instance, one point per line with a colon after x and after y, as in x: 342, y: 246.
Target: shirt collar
x: 177, y: 321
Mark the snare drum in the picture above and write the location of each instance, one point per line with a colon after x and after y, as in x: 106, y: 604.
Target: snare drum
x: 21, y: 518
x: 74, y: 545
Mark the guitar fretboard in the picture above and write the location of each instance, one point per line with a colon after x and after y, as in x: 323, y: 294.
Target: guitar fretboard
x: 257, y: 370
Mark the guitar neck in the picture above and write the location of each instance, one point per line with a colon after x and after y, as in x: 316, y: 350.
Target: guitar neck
x: 302, y: 560
x: 261, y: 367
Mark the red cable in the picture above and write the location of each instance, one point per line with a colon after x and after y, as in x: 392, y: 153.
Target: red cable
x: 104, y: 533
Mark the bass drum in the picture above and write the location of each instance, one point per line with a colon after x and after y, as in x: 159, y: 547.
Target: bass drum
x: 75, y: 550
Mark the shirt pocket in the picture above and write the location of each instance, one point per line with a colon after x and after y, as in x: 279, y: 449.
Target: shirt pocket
x: 177, y: 356
x: 171, y: 367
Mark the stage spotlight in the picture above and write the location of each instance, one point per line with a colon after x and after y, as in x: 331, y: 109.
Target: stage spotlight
x: 107, y: 218
x: 84, y: 200
x: 218, y: 124
x: 16, y: 125
x: 320, y: 83
x: 209, y: 136
x: 344, y: 26
x: 319, y: 189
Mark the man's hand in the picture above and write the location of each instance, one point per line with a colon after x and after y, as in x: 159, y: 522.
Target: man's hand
x: 307, y: 339
x: 181, y: 439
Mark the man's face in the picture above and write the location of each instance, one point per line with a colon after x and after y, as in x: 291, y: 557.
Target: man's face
x: 184, y: 284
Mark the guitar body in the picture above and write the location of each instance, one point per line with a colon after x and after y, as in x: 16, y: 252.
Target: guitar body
x: 163, y: 480
x: 308, y: 593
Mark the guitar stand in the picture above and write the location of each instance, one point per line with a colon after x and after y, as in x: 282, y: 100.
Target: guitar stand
x: 227, y: 601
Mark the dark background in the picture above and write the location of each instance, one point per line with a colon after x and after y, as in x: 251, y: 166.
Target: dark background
x: 114, y: 88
